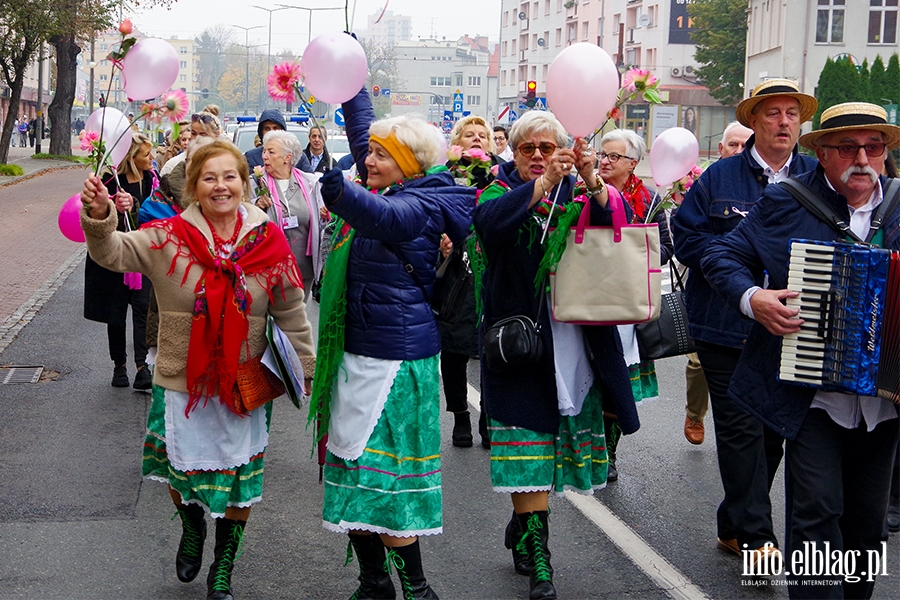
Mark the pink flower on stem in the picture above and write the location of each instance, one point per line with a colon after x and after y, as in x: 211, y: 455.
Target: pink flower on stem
x: 125, y: 27
x: 478, y: 154
x: 88, y: 138
x: 281, y: 81
x: 454, y: 153
x: 495, y: 170
x: 638, y: 80
x: 174, y: 105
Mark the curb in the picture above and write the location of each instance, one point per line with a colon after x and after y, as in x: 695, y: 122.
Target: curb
x: 43, y: 171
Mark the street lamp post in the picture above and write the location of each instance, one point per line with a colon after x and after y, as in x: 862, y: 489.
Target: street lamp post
x: 247, y: 70
x: 269, y: 51
x: 310, y: 12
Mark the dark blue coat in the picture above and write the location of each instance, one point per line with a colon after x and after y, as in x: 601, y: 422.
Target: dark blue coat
x: 388, y: 313
x: 736, y: 262
x: 708, y: 213
x: 528, y: 397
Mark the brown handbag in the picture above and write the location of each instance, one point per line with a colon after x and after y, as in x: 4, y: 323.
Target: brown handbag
x: 255, y: 385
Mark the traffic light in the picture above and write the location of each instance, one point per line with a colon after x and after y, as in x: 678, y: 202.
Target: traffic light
x: 530, y: 93
x: 376, y: 91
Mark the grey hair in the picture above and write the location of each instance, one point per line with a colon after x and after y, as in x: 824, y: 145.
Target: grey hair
x: 537, y: 121
x: 634, y: 144
x: 731, y: 127
x: 288, y: 141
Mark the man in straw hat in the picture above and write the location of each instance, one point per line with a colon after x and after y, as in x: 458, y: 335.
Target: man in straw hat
x: 840, y: 447
x: 748, y: 452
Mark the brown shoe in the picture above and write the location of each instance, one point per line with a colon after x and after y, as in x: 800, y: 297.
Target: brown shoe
x: 766, y: 560
x: 730, y: 546
x: 694, y: 431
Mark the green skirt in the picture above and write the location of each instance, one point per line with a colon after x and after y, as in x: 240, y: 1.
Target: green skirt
x: 523, y: 460
x: 395, y: 486
x: 216, y: 490
x: 644, y: 385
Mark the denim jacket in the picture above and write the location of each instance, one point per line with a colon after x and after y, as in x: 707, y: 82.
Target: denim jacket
x: 716, y: 204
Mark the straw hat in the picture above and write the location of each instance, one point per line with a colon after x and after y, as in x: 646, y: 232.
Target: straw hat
x: 773, y: 88
x: 854, y: 115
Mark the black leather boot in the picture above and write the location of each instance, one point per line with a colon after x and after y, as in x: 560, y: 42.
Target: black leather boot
x: 408, y: 562
x: 189, y: 558
x: 534, y: 541
x: 512, y: 539
x: 228, y: 547
x: 483, y: 430
x: 462, y: 430
x: 374, y: 579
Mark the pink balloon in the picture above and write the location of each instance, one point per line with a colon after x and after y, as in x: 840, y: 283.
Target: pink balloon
x: 69, y: 220
x: 149, y: 68
x: 673, y: 154
x: 582, y: 86
x: 334, y: 67
x: 116, y: 132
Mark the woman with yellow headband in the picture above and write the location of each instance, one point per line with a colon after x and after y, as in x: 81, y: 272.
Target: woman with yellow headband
x: 377, y: 394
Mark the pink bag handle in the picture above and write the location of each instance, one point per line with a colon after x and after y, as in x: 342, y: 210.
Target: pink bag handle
x: 618, y: 216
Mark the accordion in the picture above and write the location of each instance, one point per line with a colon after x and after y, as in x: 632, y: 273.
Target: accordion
x: 850, y: 304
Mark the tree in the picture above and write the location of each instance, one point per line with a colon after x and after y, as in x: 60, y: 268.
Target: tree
x: 382, y: 72
x: 24, y: 25
x: 865, y: 83
x: 720, y: 32
x: 231, y: 85
x: 839, y: 82
x: 877, y: 84
x: 892, y: 79
x: 212, y: 45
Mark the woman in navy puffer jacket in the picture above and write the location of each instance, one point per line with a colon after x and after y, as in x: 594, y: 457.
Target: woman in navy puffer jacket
x: 379, y: 395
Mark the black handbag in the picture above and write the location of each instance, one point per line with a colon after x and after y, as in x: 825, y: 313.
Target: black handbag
x: 514, y: 342
x: 668, y: 335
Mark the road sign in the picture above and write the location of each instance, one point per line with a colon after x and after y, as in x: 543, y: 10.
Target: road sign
x: 891, y: 110
x: 339, y: 117
x: 457, y: 106
x: 503, y: 113
x: 523, y: 106
x: 448, y: 115
x: 513, y: 115
x: 458, y: 96
x: 466, y: 113
x: 386, y: 92
x: 301, y: 109
x: 447, y: 126
x: 540, y: 104
x: 319, y: 109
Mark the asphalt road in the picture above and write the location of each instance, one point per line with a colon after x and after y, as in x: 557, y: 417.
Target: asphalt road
x: 77, y: 521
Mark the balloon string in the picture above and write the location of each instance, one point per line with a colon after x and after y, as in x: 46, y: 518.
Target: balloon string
x: 550, y: 215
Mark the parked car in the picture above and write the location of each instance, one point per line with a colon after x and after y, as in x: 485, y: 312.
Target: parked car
x: 245, y: 133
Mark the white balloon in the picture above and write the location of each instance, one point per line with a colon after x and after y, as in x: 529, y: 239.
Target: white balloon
x: 672, y: 156
x: 149, y: 68
x: 582, y: 86
x: 115, y: 129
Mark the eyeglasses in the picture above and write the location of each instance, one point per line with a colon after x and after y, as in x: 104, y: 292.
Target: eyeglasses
x: 499, y: 139
x: 873, y: 150
x: 612, y: 156
x: 205, y: 119
x: 546, y: 149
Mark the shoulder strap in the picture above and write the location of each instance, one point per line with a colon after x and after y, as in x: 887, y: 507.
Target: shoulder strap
x: 408, y: 267
x: 817, y: 207
x: 891, y: 191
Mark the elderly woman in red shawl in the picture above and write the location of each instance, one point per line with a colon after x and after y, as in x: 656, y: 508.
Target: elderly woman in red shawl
x: 620, y: 152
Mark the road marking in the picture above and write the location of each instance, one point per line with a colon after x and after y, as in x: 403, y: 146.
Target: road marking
x: 654, y: 565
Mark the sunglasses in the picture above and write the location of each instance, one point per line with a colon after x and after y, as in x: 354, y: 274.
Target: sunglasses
x: 546, y: 149
x: 612, y: 156
x: 205, y: 119
x: 873, y: 150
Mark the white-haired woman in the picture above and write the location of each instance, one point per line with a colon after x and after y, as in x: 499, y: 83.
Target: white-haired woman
x: 545, y: 418
x: 620, y: 152
x: 379, y: 394
x: 293, y: 200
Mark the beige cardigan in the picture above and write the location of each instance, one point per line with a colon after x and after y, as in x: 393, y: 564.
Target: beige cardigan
x: 131, y: 251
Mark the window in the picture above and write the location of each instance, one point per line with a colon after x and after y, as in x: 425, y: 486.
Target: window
x: 546, y: 7
x: 182, y: 78
x: 474, y: 100
x: 183, y: 50
x: 103, y: 77
x: 584, y: 31
x: 458, y: 80
x: 505, y: 49
x: 440, y: 82
x: 183, y: 64
x: 882, y: 21
x: 103, y: 46
x: 474, y: 81
x: 502, y: 77
x: 104, y: 62
x: 559, y: 36
x: 830, y: 22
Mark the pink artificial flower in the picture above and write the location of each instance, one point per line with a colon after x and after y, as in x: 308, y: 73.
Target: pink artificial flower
x: 495, y: 170
x: 125, y: 27
x: 478, y: 154
x: 174, y: 105
x: 258, y: 172
x: 638, y: 79
x: 696, y: 171
x: 151, y: 112
x: 87, y: 140
x: 454, y: 153
x: 281, y: 81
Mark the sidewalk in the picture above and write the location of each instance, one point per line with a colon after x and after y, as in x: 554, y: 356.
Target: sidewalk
x: 33, y: 167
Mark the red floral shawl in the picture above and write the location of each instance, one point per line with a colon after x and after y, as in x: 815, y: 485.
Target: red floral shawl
x: 638, y: 197
x: 221, y: 324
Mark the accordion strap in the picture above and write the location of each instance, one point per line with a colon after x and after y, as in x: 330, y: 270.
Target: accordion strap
x: 826, y: 213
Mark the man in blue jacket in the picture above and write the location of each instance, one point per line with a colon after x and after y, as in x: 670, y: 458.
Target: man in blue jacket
x: 269, y: 120
x: 748, y: 452
x: 840, y: 447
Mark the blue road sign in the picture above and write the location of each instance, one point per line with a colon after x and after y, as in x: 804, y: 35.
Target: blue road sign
x: 386, y: 92
x: 466, y: 113
x: 458, y: 96
x: 339, y: 117
x: 447, y: 126
x: 540, y: 104
x: 457, y: 106
x: 513, y: 115
x: 301, y: 109
x: 448, y: 115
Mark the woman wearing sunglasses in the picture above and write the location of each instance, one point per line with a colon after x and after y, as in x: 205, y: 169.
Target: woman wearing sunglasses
x: 620, y: 152
x: 203, y: 124
x: 545, y: 419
